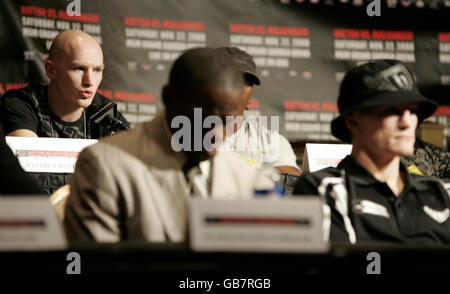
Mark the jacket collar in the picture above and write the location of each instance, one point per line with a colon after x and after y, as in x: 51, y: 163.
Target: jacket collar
x: 362, y: 177
x: 157, y: 144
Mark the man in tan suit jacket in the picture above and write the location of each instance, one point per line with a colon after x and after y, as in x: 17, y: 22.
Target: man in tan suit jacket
x: 135, y: 186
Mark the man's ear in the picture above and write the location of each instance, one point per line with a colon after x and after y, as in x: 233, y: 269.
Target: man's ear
x: 352, y: 122
x: 167, y: 96
x: 50, y: 69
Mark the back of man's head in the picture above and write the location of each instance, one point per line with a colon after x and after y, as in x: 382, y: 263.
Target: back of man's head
x: 203, y: 69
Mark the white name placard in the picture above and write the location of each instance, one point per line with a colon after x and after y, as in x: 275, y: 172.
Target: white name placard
x: 257, y: 225
x: 29, y: 223
x: 52, y: 155
x: 319, y: 156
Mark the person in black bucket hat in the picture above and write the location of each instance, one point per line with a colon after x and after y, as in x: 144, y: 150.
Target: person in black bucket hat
x: 370, y: 197
x: 387, y: 83
x: 378, y: 83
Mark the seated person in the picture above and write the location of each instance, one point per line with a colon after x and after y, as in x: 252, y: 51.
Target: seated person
x: 370, y: 197
x: 13, y: 179
x: 250, y: 137
x: 135, y: 185
x: 59, y: 109
x: 428, y: 160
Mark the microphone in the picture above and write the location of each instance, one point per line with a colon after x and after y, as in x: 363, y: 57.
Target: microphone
x: 104, y: 115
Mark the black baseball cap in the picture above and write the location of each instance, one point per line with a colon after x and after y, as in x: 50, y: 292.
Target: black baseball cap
x: 378, y: 83
x: 244, y: 62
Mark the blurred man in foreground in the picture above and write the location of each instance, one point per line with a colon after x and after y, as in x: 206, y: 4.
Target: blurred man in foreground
x: 370, y: 197
x: 135, y: 185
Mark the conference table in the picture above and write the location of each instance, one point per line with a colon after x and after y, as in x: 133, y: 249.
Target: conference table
x: 173, y: 259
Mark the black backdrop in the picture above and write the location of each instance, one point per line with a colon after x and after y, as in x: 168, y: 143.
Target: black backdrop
x: 301, y: 49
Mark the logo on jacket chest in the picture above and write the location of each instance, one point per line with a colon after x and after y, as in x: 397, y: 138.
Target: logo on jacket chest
x: 438, y: 215
x: 369, y: 207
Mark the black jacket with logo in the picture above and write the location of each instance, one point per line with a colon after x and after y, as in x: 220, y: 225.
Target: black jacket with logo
x: 362, y: 209
x: 28, y: 108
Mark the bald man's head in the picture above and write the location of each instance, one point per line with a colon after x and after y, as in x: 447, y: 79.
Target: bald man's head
x: 202, y: 77
x: 203, y: 69
x: 75, y: 69
x: 65, y: 42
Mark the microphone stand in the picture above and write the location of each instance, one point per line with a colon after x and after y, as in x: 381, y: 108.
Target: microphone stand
x: 105, y: 116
